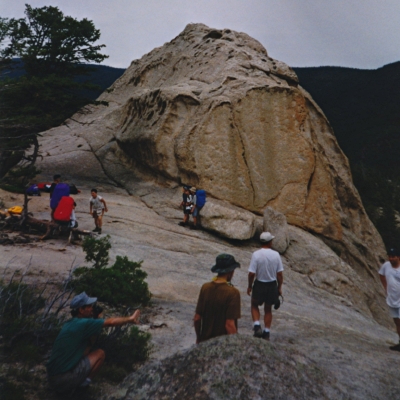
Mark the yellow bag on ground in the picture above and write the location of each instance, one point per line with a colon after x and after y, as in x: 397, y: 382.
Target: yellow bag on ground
x: 15, y: 210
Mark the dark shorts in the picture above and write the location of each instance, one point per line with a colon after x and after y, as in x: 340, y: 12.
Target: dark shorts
x: 69, y: 381
x: 187, y: 210
x: 265, y: 292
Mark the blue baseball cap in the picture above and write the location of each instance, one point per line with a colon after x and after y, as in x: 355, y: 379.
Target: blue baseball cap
x: 82, y: 300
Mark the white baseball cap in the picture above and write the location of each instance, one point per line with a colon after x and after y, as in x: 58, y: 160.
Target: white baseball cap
x: 266, y: 237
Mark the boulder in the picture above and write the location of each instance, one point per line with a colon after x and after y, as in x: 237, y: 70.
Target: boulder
x: 326, y: 270
x: 212, y: 109
x: 230, y: 367
x: 227, y: 220
x: 276, y: 223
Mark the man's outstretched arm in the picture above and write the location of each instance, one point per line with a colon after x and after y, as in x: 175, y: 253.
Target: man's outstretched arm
x: 118, y: 321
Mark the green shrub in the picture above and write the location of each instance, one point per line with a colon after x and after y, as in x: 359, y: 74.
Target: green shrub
x: 18, y: 299
x: 18, y: 304
x: 10, y: 391
x: 97, y: 250
x: 29, y: 321
x: 20, y: 374
x: 26, y: 352
x: 124, y: 347
x: 121, y: 284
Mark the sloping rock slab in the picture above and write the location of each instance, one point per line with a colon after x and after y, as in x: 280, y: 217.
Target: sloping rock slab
x: 230, y: 367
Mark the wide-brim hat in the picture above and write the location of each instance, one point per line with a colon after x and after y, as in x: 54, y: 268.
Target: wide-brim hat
x: 224, y: 263
x: 82, y: 300
x: 193, y: 189
x: 266, y: 237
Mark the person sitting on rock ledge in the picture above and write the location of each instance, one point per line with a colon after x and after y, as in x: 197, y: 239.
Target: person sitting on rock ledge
x: 390, y: 278
x: 267, y: 269
x: 218, y: 305
x: 72, y: 363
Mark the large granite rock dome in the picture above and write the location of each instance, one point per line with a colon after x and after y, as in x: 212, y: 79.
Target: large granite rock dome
x: 212, y: 109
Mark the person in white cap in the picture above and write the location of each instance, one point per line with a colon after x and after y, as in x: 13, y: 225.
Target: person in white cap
x: 72, y: 363
x: 266, y: 272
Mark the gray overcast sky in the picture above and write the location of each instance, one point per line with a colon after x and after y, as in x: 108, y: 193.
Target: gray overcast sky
x: 349, y: 33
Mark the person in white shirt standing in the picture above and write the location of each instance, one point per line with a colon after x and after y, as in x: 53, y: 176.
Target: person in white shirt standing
x: 97, y: 207
x: 266, y: 271
x: 390, y: 278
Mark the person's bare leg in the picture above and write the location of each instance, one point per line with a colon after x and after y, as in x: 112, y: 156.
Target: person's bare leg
x: 95, y: 218
x: 268, y: 316
x: 99, y: 221
x: 255, y: 312
x: 96, y: 359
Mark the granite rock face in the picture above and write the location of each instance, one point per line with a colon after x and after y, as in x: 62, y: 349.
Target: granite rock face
x: 230, y: 367
x: 212, y: 109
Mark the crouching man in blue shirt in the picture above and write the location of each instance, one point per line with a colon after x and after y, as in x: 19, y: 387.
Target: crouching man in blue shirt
x: 71, y: 363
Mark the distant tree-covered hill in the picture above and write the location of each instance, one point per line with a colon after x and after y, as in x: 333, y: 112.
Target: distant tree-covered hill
x: 363, y: 107
x: 101, y: 76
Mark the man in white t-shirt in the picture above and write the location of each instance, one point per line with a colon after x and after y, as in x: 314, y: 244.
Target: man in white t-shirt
x: 390, y: 278
x: 266, y: 271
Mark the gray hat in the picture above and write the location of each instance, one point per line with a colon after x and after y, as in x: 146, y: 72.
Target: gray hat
x: 224, y: 263
x: 82, y: 300
x: 266, y: 237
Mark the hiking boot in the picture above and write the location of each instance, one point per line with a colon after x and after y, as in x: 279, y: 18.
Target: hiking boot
x: 95, y: 229
x: 395, y: 348
x: 265, y: 335
x: 257, y: 331
x: 99, y: 231
x: 182, y: 223
x: 193, y: 227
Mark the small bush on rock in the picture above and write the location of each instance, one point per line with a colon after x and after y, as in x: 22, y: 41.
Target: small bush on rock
x: 121, y: 284
x: 97, y: 250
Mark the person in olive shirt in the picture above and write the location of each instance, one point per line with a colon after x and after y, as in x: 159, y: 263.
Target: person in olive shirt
x: 71, y: 362
x: 218, y: 306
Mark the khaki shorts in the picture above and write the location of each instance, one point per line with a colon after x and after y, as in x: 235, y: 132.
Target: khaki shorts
x: 69, y: 381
